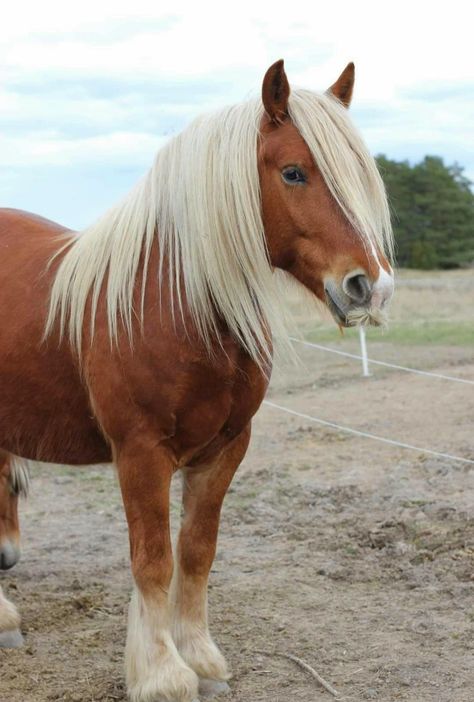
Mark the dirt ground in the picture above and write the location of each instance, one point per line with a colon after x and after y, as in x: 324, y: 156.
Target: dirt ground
x: 351, y: 554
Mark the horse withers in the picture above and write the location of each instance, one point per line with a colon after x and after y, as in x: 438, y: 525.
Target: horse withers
x: 146, y: 339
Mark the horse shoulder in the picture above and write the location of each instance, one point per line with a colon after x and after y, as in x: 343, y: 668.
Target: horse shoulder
x: 188, y: 399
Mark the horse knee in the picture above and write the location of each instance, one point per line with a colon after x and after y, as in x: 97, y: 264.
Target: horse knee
x: 152, y: 571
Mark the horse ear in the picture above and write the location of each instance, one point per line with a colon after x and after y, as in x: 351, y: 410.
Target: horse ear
x: 275, y: 92
x: 344, y: 85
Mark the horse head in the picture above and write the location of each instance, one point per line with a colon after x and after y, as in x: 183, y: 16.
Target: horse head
x: 324, y: 208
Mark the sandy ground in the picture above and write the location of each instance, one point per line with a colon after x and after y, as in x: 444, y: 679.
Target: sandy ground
x: 351, y: 554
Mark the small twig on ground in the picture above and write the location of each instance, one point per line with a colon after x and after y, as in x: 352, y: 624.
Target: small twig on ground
x: 306, y: 667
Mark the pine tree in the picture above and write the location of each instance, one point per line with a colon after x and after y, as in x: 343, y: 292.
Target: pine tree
x: 433, y: 213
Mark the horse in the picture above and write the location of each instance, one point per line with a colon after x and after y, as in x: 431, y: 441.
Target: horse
x: 147, y: 339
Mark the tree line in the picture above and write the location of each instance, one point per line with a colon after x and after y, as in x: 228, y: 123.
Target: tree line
x: 432, y: 212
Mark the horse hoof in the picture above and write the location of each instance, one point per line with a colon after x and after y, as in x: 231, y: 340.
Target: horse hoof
x: 211, y: 688
x: 11, y: 639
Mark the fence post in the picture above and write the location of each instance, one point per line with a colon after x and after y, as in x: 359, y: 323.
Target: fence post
x: 363, y: 349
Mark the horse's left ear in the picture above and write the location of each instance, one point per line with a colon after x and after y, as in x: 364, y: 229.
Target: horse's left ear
x: 275, y: 92
x: 344, y: 85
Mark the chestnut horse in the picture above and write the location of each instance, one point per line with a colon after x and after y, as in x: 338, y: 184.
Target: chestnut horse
x: 146, y: 339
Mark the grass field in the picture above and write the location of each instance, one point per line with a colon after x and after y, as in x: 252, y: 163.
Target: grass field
x: 419, y: 333
x: 428, y: 308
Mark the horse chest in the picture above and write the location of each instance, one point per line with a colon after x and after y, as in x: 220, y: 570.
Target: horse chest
x: 216, y: 411
x: 193, y: 403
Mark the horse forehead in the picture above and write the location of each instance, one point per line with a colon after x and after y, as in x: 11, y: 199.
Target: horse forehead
x: 284, y: 144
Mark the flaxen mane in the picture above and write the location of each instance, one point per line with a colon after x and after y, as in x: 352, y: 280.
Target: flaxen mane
x: 201, y: 202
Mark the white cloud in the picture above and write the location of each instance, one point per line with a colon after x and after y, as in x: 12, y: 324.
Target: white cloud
x: 101, y: 83
x: 47, y: 149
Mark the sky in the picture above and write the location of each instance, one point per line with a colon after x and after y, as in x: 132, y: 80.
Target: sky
x: 89, y: 91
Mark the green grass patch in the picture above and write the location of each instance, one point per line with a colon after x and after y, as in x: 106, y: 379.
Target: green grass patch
x: 420, y: 333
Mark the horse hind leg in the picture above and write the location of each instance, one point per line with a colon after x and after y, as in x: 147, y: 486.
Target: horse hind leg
x: 13, y: 483
x: 204, y: 489
x: 10, y: 635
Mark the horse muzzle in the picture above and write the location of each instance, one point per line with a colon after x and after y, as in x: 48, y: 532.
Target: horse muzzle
x: 9, y: 554
x: 356, y: 300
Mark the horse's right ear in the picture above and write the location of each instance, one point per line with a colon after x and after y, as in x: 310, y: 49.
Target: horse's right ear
x: 275, y: 92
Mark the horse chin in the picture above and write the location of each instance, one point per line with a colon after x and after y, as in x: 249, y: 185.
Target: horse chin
x: 357, y: 316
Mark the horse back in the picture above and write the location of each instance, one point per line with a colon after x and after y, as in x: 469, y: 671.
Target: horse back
x: 17, y: 221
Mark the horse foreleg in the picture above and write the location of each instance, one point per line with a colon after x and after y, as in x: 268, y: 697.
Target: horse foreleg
x: 204, y: 490
x: 154, y: 669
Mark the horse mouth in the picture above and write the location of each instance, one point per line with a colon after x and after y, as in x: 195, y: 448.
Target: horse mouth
x: 356, y: 316
x: 336, y: 311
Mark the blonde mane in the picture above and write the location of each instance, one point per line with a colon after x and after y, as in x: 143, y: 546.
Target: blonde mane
x: 201, y: 202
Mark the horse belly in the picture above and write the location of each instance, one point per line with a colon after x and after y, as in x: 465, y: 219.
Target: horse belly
x: 44, y: 409
x: 46, y: 419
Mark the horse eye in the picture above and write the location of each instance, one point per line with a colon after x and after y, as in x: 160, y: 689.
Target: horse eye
x: 293, y: 175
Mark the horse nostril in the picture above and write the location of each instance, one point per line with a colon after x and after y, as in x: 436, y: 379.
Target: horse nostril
x: 357, y: 287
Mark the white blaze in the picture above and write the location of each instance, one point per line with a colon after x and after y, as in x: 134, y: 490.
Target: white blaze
x: 383, y: 288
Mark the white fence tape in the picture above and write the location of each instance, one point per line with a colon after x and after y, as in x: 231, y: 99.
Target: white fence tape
x: 383, y: 363
x: 366, y: 435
